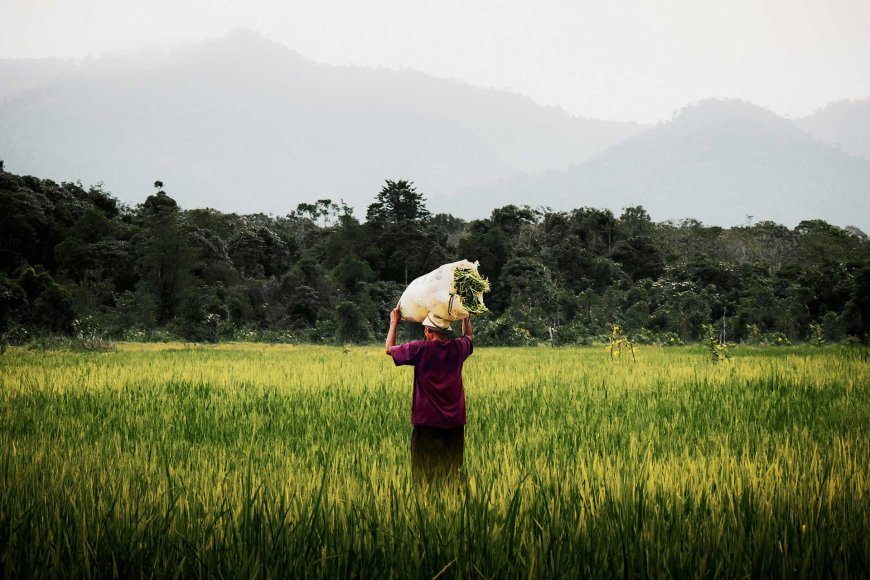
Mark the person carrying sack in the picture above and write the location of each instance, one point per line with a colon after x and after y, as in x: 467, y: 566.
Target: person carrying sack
x: 438, y: 402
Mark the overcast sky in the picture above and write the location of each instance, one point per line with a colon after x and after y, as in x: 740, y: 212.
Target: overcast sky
x: 635, y: 60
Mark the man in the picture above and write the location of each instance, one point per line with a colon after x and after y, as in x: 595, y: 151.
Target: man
x: 438, y: 404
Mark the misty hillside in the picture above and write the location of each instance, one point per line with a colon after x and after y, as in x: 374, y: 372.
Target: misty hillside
x: 25, y: 74
x: 21, y: 76
x: 717, y: 161
x: 844, y: 124
x: 244, y: 124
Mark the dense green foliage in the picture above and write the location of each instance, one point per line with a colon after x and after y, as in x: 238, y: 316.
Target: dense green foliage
x: 293, y: 461
x: 77, y: 261
x: 469, y: 287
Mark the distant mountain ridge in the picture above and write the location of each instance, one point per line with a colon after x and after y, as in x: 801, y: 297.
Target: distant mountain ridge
x: 245, y: 124
x: 26, y: 74
x: 719, y: 161
x: 844, y: 124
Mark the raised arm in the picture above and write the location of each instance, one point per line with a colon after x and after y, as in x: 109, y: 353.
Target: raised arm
x: 395, y: 316
x: 466, y: 328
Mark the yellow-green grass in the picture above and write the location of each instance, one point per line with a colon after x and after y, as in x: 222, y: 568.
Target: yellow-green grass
x: 248, y: 459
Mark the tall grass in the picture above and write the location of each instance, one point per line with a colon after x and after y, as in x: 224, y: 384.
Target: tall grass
x: 242, y: 460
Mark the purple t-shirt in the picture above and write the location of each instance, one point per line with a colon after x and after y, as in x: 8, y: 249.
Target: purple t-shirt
x: 439, y: 399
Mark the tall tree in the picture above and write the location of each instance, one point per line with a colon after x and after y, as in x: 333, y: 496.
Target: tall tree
x: 164, y: 252
x: 401, y: 227
x: 398, y: 203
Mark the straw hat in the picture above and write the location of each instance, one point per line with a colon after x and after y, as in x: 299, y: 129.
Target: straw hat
x: 436, y: 322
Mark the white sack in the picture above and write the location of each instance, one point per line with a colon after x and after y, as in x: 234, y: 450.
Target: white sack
x: 434, y: 292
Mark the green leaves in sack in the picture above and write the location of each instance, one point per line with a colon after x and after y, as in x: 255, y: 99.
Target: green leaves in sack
x: 470, y: 286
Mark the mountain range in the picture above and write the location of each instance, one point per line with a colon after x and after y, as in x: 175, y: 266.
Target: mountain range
x: 843, y: 124
x: 244, y: 124
x: 723, y: 162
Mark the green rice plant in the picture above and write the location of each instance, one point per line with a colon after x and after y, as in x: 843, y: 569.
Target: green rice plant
x: 282, y: 460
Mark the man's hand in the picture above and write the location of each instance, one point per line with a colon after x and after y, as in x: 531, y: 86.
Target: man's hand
x: 395, y: 317
x: 395, y: 314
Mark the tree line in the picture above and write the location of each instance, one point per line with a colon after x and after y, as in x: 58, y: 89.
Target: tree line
x: 77, y: 262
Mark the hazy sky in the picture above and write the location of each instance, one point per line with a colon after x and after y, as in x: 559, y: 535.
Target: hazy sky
x: 618, y: 59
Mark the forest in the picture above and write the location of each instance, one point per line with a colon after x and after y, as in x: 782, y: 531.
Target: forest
x: 77, y: 264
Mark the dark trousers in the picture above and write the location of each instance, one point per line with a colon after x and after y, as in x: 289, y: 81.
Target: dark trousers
x: 437, y: 454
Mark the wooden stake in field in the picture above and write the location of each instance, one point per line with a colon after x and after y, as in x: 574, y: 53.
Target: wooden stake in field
x: 617, y: 339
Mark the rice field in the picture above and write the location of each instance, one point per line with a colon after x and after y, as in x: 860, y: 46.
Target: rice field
x: 257, y: 460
